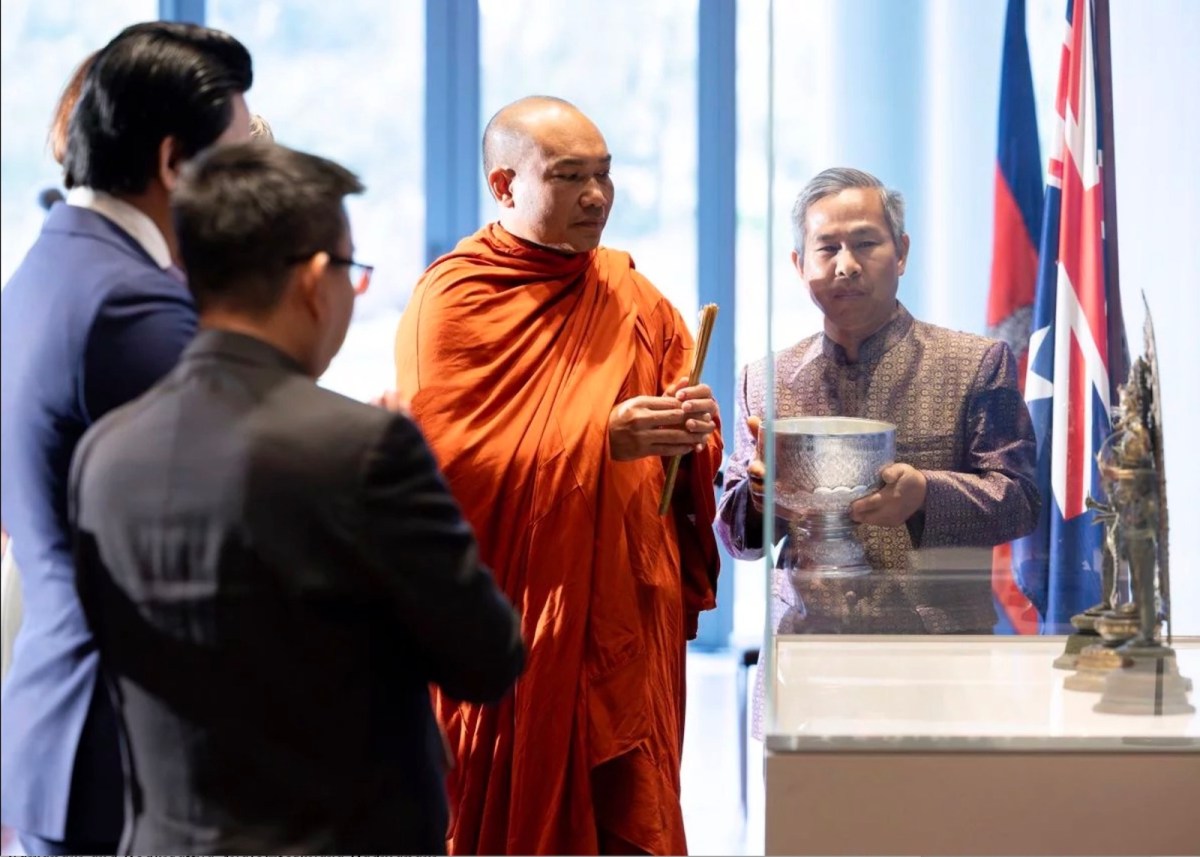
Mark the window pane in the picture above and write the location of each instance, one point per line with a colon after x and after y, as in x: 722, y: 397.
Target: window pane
x: 42, y: 43
x: 631, y: 66
x: 346, y: 81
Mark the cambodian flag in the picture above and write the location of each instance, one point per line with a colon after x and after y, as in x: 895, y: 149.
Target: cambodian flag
x: 1067, y: 384
x: 1018, y: 224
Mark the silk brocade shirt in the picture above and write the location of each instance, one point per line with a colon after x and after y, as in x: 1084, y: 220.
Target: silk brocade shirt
x: 960, y: 419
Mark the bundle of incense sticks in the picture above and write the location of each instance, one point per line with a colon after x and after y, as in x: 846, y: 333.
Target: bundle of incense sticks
x: 708, y: 317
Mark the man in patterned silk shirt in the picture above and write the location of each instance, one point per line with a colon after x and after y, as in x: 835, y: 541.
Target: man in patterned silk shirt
x: 963, y: 477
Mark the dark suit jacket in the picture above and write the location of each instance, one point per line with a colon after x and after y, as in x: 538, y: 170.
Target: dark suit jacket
x: 274, y: 574
x: 89, y: 322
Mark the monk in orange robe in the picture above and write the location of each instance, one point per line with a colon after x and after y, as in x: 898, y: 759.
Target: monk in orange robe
x: 549, y: 377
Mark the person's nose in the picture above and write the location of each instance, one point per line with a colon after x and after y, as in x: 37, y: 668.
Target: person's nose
x: 594, y: 195
x: 847, y: 264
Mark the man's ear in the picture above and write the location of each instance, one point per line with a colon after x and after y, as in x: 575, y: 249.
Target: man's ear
x: 798, y: 263
x: 170, y: 162
x: 500, y: 184
x: 306, y: 284
x: 904, y: 242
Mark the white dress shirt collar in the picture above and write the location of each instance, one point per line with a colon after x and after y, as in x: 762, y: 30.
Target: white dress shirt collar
x: 135, y: 222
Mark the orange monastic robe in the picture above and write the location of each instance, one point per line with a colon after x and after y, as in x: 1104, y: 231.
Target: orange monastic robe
x: 513, y: 357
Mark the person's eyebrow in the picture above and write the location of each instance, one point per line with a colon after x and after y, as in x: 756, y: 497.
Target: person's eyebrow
x: 865, y: 229
x: 562, y: 163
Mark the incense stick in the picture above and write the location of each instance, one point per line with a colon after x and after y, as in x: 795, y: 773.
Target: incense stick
x: 708, y: 317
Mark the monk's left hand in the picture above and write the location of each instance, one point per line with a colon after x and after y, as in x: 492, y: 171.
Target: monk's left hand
x: 902, y: 496
x: 700, y: 409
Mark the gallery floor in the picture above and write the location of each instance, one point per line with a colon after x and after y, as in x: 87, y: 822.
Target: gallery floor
x: 711, y: 790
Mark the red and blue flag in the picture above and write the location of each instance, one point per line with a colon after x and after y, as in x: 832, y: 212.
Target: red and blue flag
x: 1019, y: 198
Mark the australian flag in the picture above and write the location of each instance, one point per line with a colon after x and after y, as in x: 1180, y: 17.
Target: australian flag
x: 1017, y: 228
x: 1067, y: 383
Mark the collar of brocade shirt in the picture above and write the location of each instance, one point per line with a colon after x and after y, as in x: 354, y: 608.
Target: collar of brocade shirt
x: 877, y: 344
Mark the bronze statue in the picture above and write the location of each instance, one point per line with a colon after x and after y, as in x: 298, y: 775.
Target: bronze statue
x: 1131, y: 464
x: 1102, y: 627
x: 1129, y: 470
x: 1106, y: 514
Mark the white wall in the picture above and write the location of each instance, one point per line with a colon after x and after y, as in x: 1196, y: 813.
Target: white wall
x: 1156, y: 99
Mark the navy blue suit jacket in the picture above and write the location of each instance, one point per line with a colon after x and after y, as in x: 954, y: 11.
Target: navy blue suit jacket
x: 89, y: 321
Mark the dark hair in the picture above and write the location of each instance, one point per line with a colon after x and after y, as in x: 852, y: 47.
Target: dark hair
x: 60, y: 125
x: 153, y: 81
x: 245, y: 212
x: 837, y: 179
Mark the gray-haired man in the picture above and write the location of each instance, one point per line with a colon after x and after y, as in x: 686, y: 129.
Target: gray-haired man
x: 965, y: 448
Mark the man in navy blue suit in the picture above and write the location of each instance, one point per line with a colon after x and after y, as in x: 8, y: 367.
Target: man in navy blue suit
x: 95, y: 314
x: 274, y: 574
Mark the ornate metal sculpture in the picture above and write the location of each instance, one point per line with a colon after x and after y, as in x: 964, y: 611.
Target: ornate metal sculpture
x: 1132, y: 470
x: 1106, y: 625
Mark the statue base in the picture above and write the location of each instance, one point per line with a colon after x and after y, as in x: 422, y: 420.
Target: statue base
x: 1148, y: 683
x: 1093, y: 666
x: 1119, y: 625
x: 1076, y: 643
x: 1086, y: 621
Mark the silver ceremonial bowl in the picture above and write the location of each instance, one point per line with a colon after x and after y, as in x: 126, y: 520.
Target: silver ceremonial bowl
x: 822, y: 465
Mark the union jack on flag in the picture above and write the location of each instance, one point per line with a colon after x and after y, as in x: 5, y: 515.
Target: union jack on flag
x: 1067, y: 381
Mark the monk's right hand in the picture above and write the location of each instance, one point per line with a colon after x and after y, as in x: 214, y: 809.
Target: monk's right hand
x: 756, y: 472
x: 649, y: 425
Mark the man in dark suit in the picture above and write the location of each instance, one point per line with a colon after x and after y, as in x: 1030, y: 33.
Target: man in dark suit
x: 275, y: 573
x: 94, y: 315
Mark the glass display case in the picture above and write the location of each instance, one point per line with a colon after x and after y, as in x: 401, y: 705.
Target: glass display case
x: 909, y: 699
x: 968, y: 745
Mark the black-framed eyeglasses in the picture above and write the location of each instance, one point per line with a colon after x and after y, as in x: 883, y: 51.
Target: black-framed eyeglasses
x: 360, y: 274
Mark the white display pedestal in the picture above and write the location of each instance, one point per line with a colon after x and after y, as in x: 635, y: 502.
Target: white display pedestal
x: 965, y: 746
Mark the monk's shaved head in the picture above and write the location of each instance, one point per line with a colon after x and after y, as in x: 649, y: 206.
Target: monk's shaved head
x: 547, y: 166
x: 513, y: 129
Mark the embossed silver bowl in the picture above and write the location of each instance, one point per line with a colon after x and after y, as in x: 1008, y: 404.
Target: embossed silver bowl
x: 822, y: 465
